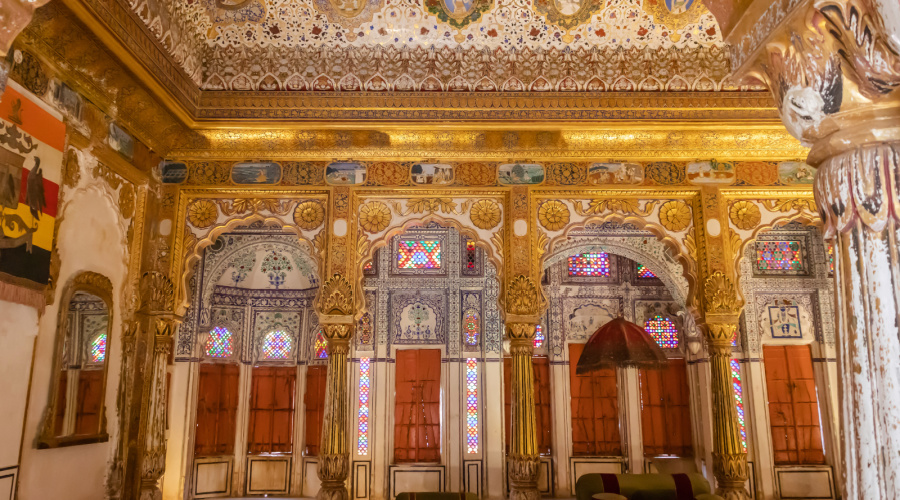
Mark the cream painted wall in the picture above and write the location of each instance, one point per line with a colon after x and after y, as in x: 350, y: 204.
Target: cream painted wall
x: 90, y: 239
x: 17, y: 331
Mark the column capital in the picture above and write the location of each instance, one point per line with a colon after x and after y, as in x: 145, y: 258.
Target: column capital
x: 832, y: 65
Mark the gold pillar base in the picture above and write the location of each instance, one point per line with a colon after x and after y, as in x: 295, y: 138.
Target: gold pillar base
x: 730, y: 471
x: 524, y: 471
x: 150, y: 490
x: 333, y: 473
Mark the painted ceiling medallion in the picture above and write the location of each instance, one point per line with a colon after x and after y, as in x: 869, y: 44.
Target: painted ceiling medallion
x: 675, y: 14
x: 568, y: 14
x: 348, y: 13
x: 458, y: 13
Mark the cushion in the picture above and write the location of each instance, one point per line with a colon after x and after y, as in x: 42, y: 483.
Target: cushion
x: 643, y: 486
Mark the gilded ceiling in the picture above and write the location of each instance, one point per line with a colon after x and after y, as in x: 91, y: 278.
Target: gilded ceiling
x: 442, y: 45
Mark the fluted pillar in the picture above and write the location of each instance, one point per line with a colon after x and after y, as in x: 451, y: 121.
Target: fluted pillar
x: 153, y: 460
x: 523, y: 459
x: 335, y: 308
x: 834, y: 70
x: 729, y: 457
x: 858, y: 192
x: 334, y: 457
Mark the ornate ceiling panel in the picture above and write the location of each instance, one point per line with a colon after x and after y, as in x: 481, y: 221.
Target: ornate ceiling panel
x: 441, y: 45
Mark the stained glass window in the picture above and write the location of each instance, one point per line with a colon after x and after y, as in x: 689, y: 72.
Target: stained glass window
x: 644, y: 272
x: 470, y: 327
x: 277, y: 345
x: 778, y: 256
x: 831, y: 258
x: 589, y: 264
x: 98, y: 348
x: 470, y: 254
x: 321, y: 352
x: 362, y: 441
x: 739, y: 399
x: 220, y: 343
x: 419, y: 254
x: 471, y: 405
x: 538, y: 336
x: 663, y: 331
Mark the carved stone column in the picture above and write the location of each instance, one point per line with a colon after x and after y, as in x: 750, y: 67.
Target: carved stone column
x: 335, y: 306
x: 155, y: 316
x: 523, y: 461
x: 729, y: 458
x: 153, y: 462
x: 859, y: 193
x: 834, y: 70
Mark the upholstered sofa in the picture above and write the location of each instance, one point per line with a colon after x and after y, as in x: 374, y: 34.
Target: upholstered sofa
x: 644, y: 487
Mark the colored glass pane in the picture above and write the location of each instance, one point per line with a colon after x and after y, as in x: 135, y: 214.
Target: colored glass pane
x: 98, y: 348
x: 362, y: 440
x: 643, y: 272
x: 420, y: 254
x: 470, y: 254
x: 277, y: 345
x: 778, y: 256
x: 663, y: 331
x: 831, y: 258
x: 368, y: 267
x: 538, y: 336
x: 470, y: 327
x: 220, y: 343
x: 589, y: 264
x: 739, y: 399
x: 321, y: 352
x: 471, y: 405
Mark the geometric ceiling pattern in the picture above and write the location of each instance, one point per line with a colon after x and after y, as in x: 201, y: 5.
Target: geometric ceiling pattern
x: 442, y: 45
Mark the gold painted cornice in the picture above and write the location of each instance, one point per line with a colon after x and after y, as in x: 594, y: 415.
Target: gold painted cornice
x: 631, y: 141
x: 132, y: 43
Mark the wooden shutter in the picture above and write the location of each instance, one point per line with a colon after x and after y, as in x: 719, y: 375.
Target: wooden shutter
x: 216, y: 409
x: 271, y: 410
x: 793, y: 405
x: 541, y: 402
x: 61, y: 392
x: 417, y: 419
x: 89, y: 400
x: 595, y: 410
x: 666, y: 411
x: 314, y: 403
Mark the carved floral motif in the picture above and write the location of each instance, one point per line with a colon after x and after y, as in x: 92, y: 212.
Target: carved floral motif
x: 744, y: 214
x: 675, y: 215
x: 374, y: 216
x: 553, y: 215
x: 485, y: 214
x: 309, y: 215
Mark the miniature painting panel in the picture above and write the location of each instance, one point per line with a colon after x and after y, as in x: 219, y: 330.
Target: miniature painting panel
x: 121, y: 141
x: 521, y: 173
x: 795, y: 172
x: 784, y: 322
x: 615, y: 173
x: 256, y: 173
x: 172, y: 172
x: 345, y: 173
x: 710, y: 172
x: 438, y: 174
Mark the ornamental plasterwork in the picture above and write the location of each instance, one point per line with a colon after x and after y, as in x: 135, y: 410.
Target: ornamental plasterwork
x: 379, y: 217
x: 385, y: 283
x: 230, y: 43
x: 268, y: 321
x: 748, y: 213
x: 814, y: 294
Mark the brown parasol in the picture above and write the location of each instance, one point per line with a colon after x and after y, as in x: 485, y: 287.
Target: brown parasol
x: 620, y: 343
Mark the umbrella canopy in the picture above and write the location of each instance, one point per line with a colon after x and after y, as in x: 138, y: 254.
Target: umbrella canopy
x: 620, y: 343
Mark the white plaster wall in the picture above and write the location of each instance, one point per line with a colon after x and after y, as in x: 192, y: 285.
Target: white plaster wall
x: 90, y: 239
x: 18, y: 329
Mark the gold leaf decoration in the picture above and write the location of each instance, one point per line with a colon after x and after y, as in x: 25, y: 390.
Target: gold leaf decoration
x: 675, y: 215
x: 336, y: 297
x: 744, y: 214
x: 309, y: 215
x: 522, y: 296
x: 798, y: 204
x: 542, y: 241
x: 720, y: 294
x: 553, y: 215
x: 374, y: 216
x: 362, y: 245
x: 202, y: 213
x: 485, y: 214
x: 625, y: 206
x: 254, y: 205
x: 157, y: 292
x: 126, y: 200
